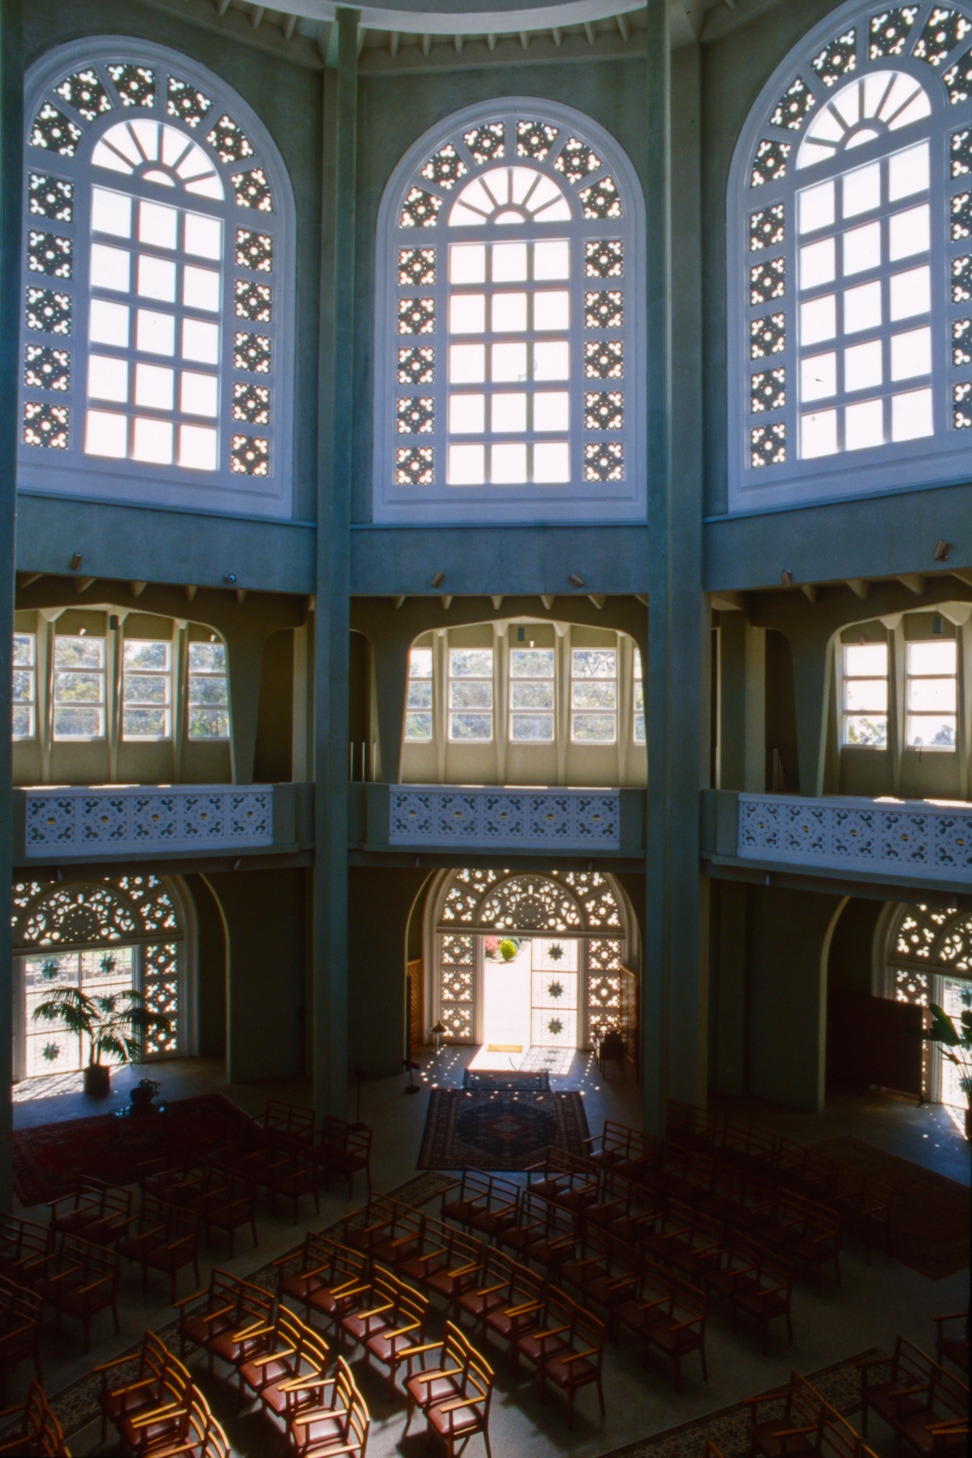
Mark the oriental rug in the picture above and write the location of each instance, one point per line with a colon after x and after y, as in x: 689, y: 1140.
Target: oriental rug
x: 728, y: 1428
x: 518, y: 1082
x: 76, y: 1405
x: 50, y: 1159
x: 499, y: 1130
x: 930, y: 1215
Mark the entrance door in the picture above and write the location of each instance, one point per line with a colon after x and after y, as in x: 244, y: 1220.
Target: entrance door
x: 506, y: 998
x: 554, y: 978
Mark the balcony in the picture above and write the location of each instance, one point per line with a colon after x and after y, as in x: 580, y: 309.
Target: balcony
x: 507, y: 819
x: 904, y: 842
x: 70, y: 824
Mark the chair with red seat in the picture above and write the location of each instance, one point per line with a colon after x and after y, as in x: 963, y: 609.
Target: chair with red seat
x: 578, y: 1363
x: 325, y: 1277
x: 457, y: 1419
x: 339, y: 1425
x: 21, y: 1313
x: 151, y: 1407
x: 345, y: 1150
x: 31, y: 1429
x: 224, y: 1318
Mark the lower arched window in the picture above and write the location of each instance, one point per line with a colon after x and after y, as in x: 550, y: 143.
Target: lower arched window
x: 929, y: 960
x: 101, y: 935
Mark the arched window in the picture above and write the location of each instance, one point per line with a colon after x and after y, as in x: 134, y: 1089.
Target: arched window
x: 928, y: 951
x: 508, y: 348
x: 569, y: 933
x: 100, y: 935
x: 156, y: 329
x: 850, y: 262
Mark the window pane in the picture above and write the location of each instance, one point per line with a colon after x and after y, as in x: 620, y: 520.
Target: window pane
x: 471, y: 662
x: 420, y: 694
x: 532, y: 695
x: 532, y: 728
x: 931, y: 694
x: 931, y: 731
x: 593, y: 728
x: 531, y: 663
x: 418, y: 727
x: 470, y: 695
x: 146, y: 688
x: 208, y: 724
x: 146, y: 723
x: 420, y: 663
x: 78, y: 723
x: 470, y: 726
x: 207, y: 690
x: 865, y: 659
x: 23, y: 650
x: 932, y: 657
x: 870, y: 730
x: 866, y: 694
x: 593, y: 662
x: 79, y: 652
x: 139, y: 654
x: 639, y: 728
x: 593, y: 695
x: 207, y: 657
x: 23, y: 686
x: 22, y: 722
x: 78, y: 688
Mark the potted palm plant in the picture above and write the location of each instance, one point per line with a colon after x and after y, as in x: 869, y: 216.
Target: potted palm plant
x: 955, y: 1037
x: 115, y: 1024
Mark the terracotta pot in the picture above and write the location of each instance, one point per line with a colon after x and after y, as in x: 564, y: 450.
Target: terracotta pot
x: 97, y: 1081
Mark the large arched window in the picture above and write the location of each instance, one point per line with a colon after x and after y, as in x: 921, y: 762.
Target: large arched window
x: 928, y: 959
x: 100, y: 935
x: 850, y: 262
x: 508, y: 347
x: 156, y: 337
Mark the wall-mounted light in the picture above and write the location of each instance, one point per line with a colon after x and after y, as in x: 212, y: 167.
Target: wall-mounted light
x: 82, y: 632
x: 76, y: 561
x: 786, y: 577
x: 574, y: 580
x: 230, y: 578
x: 942, y: 551
x: 212, y: 637
x: 114, y: 622
x: 937, y: 624
x: 438, y: 579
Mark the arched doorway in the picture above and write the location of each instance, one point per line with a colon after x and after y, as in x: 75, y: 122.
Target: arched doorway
x: 101, y: 934
x: 925, y: 957
x: 529, y: 959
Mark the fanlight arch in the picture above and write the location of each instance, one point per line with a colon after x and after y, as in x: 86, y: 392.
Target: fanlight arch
x: 927, y: 958
x: 927, y: 939
x: 157, y: 327
x: 99, y: 934
x: 475, y: 905
x: 850, y: 265
x: 508, y: 341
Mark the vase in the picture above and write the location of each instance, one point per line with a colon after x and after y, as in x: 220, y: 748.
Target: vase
x: 97, y: 1081
x: 142, y: 1100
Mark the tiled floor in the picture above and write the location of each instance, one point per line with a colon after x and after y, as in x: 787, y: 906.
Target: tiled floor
x: 872, y: 1305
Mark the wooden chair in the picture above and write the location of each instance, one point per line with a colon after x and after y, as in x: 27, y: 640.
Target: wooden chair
x: 387, y: 1318
x: 578, y: 1364
x: 24, y: 1247
x: 925, y: 1405
x: 152, y: 1408
x: 96, y: 1211
x: 756, y: 1283
x: 165, y: 1239
x: 285, y: 1366
x: 798, y: 1422
x: 455, y: 1420
x: 345, y: 1150
x: 34, y: 1431
x: 806, y: 1234
x: 676, y: 1327
x: 434, y: 1380
x: 484, y: 1204
x: 291, y: 1176
x: 287, y: 1126
x: 223, y: 1318
x: 604, y: 1271
x: 953, y: 1345
x: 327, y: 1279
x: 225, y: 1202
x: 79, y: 1280
x: 204, y: 1436
x: 21, y: 1314
x: 388, y: 1232
x: 338, y: 1426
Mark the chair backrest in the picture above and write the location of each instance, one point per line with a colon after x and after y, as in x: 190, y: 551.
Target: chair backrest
x: 587, y: 1333
x: 97, y: 1261
x: 20, y: 1306
x: 23, y: 1239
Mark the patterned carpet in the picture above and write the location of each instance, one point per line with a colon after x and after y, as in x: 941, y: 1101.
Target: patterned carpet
x: 476, y: 1129
x: 77, y: 1405
x: 728, y: 1428
x: 491, y: 1078
x: 49, y: 1159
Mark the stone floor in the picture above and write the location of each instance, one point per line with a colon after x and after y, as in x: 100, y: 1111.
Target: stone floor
x: 871, y: 1306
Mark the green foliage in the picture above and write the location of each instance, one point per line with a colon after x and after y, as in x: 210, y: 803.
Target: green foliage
x: 508, y: 948
x: 955, y: 1036
x: 115, y: 1025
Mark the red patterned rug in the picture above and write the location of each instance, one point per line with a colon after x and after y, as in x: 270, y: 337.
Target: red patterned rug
x: 499, y: 1130
x: 49, y: 1159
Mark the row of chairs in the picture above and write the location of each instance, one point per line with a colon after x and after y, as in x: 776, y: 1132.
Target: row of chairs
x: 21, y: 1315
x: 797, y: 1420
x: 647, y: 1200
x: 74, y: 1277
x: 157, y: 1410
x: 31, y: 1429
x: 607, y: 1246
x: 338, y: 1148
x: 926, y: 1406
x: 865, y: 1205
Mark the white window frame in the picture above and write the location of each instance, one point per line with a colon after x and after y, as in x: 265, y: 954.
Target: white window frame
x: 207, y: 675
x: 165, y: 675
x: 518, y: 712
x: 460, y: 710
x: 913, y: 677
x: 769, y: 273
x: 30, y: 702
x: 846, y: 712
x: 638, y: 691
x: 420, y: 678
x: 431, y: 500
x: 583, y: 712
x: 101, y: 704
x: 52, y: 457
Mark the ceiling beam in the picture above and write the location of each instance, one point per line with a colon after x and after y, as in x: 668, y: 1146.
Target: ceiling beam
x: 913, y: 581
x: 859, y: 586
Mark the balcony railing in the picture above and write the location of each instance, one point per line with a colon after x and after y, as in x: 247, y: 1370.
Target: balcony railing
x: 483, y: 817
x: 903, y: 838
x: 108, y: 821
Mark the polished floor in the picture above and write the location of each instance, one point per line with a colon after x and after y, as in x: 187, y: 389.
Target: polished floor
x: 872, y: 1305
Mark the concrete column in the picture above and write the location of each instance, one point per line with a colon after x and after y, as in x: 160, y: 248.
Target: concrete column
x: 335, y: 479
x: 742, y: 740
x: 813, y: 672
x: 391, y: 682
x: 11, y: 162
x: 244, y: 655
x: 673, y: 1024
x: 731, y: 935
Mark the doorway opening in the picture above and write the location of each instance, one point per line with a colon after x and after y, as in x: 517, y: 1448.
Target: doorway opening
x: 929, y: 960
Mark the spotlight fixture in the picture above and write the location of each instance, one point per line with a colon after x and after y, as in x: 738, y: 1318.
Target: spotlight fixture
x: 942, y: 551
x: 230, y: 578
x: 786, y: 577
x: 574, y: 580
x: 438, y: 579
x: 76, y: 561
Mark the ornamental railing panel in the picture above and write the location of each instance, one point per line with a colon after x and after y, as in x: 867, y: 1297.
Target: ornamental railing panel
x: 113, y: 821
x: 481, y: 816
x: 906, y: 837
